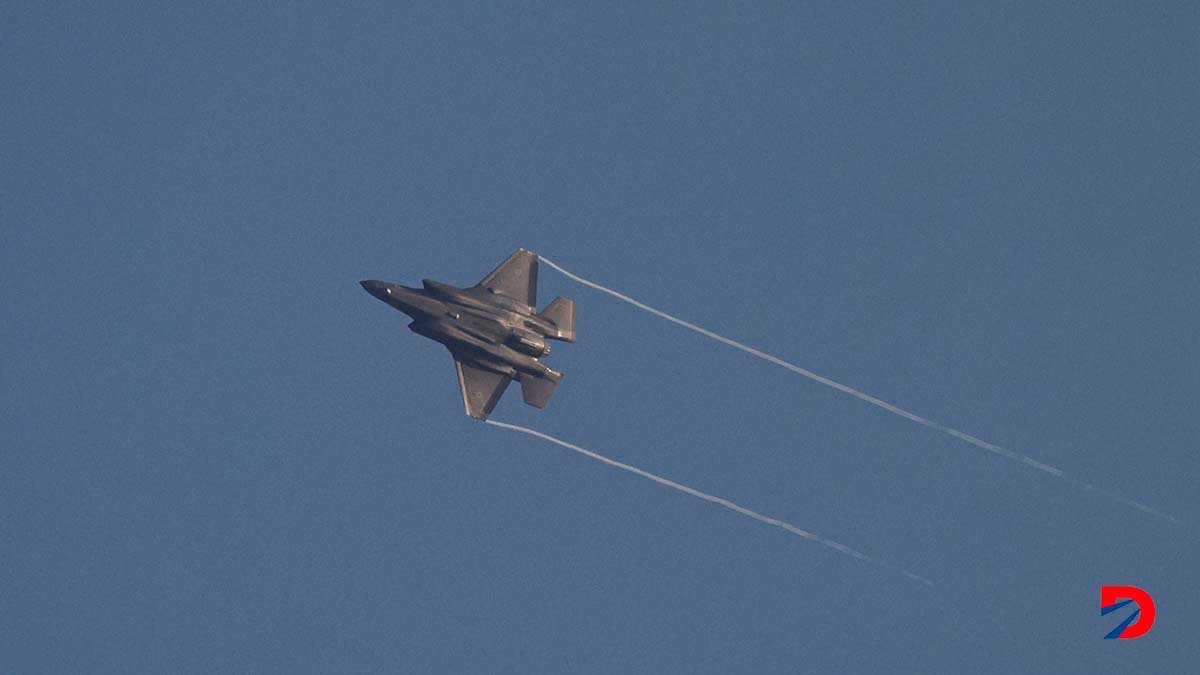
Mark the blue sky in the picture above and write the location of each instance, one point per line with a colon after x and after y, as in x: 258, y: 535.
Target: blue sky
x: 221, y: 455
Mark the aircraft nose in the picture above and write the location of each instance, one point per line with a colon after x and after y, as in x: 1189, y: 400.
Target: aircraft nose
x: 375, y: 288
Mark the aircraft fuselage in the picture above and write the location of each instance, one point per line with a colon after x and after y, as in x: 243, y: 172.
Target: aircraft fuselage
x: 500, y: 334
x: 492, y: 329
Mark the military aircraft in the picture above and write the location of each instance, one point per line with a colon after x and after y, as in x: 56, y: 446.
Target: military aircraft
x: 492, y: 330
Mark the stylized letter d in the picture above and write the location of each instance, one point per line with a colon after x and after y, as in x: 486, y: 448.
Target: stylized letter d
x: 1138, y: 623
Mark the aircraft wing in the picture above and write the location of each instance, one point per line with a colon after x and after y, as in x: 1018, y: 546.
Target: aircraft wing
x: 515, y: 278
x: 481, y: 389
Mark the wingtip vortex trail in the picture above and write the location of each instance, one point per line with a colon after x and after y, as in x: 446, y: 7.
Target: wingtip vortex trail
x: 720, y: 501
x: 863, y: 396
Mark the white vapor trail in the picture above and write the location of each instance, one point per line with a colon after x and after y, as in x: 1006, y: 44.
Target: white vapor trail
x: 845, y: 389
x: 840, y: 548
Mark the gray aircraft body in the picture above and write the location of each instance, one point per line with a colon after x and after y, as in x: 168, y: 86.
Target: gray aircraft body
x: 492, y: 330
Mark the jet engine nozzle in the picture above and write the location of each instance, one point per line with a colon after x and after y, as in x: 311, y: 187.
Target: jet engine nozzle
x: 529, y: 344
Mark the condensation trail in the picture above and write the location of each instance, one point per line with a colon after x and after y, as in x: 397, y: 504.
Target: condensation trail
x: 880, y: 403
x: 840, y: 548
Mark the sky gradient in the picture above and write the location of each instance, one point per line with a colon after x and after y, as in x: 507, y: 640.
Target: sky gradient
x: 220, y: 455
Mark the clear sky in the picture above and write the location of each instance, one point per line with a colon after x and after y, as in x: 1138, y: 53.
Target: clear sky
x: 218, y: 454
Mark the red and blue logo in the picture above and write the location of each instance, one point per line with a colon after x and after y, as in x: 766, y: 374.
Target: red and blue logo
x: 1135, y: 625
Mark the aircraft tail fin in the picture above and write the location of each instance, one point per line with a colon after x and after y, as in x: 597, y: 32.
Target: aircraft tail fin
x: 561, y: 311
x: 537, y: 390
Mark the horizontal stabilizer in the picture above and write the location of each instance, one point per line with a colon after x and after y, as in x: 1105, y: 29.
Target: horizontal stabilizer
x: 561, y: 312
x: 537, y: 390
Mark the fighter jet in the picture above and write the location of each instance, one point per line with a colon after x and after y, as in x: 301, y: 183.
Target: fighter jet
x: 492, y: 330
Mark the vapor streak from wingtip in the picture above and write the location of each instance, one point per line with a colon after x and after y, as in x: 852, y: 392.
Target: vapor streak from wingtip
x: 839, y: 547
x: 846, y: 389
